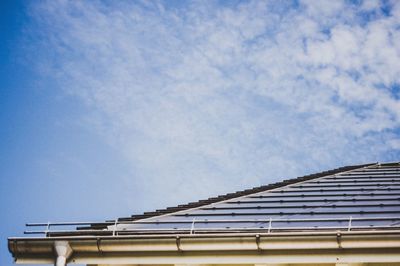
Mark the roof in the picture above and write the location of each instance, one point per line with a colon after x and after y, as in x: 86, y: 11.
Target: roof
x: 359, y: 197
x: 346, y: 215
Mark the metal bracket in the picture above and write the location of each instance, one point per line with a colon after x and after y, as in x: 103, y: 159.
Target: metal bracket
x: 178, y: 243
x: 258, y: 239
x: 339, y: 239
x: 98, y: 245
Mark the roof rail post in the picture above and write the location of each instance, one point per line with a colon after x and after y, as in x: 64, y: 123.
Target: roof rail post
x: 115, y: 226
x: 46, y: 232
x: 192, y: 227
x: 350, y: 220
x: 270, y: 225
x: 63, y: 251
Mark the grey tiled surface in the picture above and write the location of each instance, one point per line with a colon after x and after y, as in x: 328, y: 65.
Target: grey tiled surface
x: 367, y: 198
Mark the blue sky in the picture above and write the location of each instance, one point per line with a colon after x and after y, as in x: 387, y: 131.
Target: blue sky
x: 109, y: 109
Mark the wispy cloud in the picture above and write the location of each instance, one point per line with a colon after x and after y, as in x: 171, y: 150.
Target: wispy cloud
x: 202, y: 96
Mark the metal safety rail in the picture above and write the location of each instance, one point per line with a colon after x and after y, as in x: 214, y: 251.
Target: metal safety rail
x: 197, y: 226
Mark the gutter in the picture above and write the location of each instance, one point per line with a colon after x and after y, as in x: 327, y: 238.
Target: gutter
x: 96, y: 250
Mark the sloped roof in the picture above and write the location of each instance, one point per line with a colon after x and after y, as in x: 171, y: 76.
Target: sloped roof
x: 360, y: 197
x: 346, y: 215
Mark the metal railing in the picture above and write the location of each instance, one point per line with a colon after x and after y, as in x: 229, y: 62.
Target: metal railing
x: 196, y: 226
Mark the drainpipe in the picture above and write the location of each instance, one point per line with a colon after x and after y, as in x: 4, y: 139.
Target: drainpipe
x: 63, y: 251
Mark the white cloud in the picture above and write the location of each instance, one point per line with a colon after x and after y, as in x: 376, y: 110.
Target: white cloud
x: 211, y: 98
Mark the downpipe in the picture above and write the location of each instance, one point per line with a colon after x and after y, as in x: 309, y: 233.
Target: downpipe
x: 63, y: 251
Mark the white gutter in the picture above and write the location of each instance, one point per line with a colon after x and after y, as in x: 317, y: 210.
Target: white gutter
x: 189, y: 248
